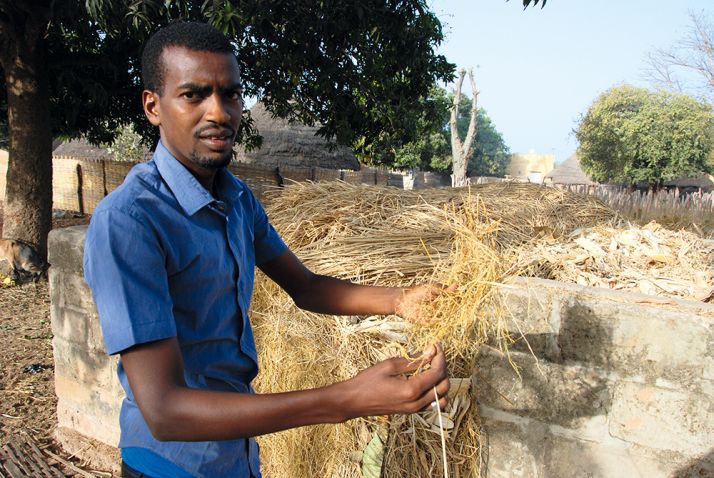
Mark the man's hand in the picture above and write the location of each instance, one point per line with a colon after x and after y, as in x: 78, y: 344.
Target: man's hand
x: 409, y: 305
x: 392, y: 386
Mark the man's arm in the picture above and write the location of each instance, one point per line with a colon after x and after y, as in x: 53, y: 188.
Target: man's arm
x: 328, y: 295
x: 175, y: 412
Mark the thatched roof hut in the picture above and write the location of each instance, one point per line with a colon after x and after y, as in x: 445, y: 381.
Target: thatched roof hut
x: 81, y: 149
x: 703, y: 181
x: 293, y: 144
x: 568, y: 172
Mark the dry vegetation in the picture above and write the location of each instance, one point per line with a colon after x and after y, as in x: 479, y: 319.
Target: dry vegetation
x: 474, y: 238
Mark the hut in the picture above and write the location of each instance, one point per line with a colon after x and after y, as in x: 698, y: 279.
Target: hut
x: 81, y: 149
x: 569, y: 173
x: 703, y: 182
x: 293, y: 144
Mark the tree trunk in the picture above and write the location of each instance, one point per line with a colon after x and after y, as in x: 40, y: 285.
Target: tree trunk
x: 461, y: 152
x: 28, y: 195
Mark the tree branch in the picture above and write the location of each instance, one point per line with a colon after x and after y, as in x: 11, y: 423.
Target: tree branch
x: 455, y: 140
x: 471, y: 133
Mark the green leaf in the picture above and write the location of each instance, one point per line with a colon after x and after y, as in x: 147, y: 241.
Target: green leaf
x: 372, y: 458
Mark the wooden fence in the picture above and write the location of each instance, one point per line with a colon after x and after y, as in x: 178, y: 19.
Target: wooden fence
x: 78, y: 185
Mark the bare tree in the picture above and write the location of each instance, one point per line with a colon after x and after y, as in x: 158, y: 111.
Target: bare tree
x: 461, y: 152
x: 693, y: 55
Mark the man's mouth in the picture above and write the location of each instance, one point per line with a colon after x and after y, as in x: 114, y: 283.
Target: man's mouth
x: 218, y: 139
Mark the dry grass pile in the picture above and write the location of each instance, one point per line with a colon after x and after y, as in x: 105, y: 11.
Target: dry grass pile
x: 649, y: 259
x: 392, y: 237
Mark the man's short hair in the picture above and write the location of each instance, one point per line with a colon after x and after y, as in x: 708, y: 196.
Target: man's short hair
x: 192, y: 35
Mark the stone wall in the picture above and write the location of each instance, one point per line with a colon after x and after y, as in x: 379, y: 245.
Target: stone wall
x: 611, y: 384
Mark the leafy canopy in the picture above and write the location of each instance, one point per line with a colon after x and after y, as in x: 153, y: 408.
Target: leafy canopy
x: 354, y: 67
x: 491, y: 154
x: 631, y: 135
x: 431, y: 150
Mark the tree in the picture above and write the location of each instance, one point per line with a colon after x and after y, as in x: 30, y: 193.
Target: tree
x: 491, y: 154
x: 432, y: 148
x: 462, y: 151
x: 426, y: 138
x: 693, y: 55
x: 631, y: 135
x: 357, y: 68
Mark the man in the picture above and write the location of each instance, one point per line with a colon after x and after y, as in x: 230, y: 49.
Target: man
x: 170, y: 257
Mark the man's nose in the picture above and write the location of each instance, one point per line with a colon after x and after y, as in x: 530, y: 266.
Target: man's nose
x: 217, y: 111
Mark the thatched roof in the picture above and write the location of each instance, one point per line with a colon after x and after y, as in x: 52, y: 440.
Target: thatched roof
x: 293, y: 144
x: 80, y: 149
x: 568, y: 172
x: 703, y: 181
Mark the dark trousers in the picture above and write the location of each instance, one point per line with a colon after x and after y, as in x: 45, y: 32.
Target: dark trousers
x: 129, y: 472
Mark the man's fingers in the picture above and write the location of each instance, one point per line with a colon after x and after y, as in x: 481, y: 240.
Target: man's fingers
x: 428, y: 401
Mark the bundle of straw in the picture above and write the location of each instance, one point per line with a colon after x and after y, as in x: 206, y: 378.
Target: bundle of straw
x: 392, y: 237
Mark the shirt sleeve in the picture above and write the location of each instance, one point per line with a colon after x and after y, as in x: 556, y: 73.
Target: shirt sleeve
x: 266, y: 240
x: 124, y: 265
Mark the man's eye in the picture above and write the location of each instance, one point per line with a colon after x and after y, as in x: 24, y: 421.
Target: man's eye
x: 234, y: 95
x: 190, y: 95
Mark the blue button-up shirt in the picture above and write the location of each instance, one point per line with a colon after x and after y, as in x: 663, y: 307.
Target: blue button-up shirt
x: 164, y: 258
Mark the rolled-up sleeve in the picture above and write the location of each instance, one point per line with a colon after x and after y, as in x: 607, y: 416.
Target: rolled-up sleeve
x: 124, y: 266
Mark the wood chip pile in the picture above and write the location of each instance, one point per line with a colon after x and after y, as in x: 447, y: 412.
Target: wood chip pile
x: 475, y: 238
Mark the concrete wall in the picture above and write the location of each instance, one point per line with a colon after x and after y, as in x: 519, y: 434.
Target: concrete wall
x: 89, y: 394
x: 617, y: 385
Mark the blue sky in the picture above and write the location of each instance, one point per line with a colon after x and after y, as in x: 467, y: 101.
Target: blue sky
x: 539, y: 70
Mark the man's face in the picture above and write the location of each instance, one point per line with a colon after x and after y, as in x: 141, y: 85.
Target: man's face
x: 199, y: 109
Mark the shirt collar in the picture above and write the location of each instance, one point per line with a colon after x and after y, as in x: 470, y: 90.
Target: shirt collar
x: 189, y: 193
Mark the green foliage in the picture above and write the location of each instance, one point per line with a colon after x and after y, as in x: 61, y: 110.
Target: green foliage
x: 127, y: 146
x: 431, y: 150
x: 356, y: 68
x: 631, y: 135
x: 491, y: 154
x: 425, y: 141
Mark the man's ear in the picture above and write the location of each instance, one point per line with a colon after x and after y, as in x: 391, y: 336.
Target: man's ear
x: 151, y: 107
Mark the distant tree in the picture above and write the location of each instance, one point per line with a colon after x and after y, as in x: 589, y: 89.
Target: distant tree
x: 692, y: 55
x: 491, y: 154
x: 462, y: 150
x: 432, y: 148
x: 128, y: 145
x: 426, y: 138
x: 72, y: 67
x: 631, y: 135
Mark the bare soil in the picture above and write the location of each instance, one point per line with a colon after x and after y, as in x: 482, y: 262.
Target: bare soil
x: 28, y: 402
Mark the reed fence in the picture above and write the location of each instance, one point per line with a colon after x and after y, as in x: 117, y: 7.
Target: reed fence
x: 673, y: 207
x: 79, y: 185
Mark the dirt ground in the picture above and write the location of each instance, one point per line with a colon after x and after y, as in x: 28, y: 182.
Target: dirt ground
x: 27, y: 397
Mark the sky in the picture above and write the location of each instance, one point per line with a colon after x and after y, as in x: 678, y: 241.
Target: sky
x: 539, y: 70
